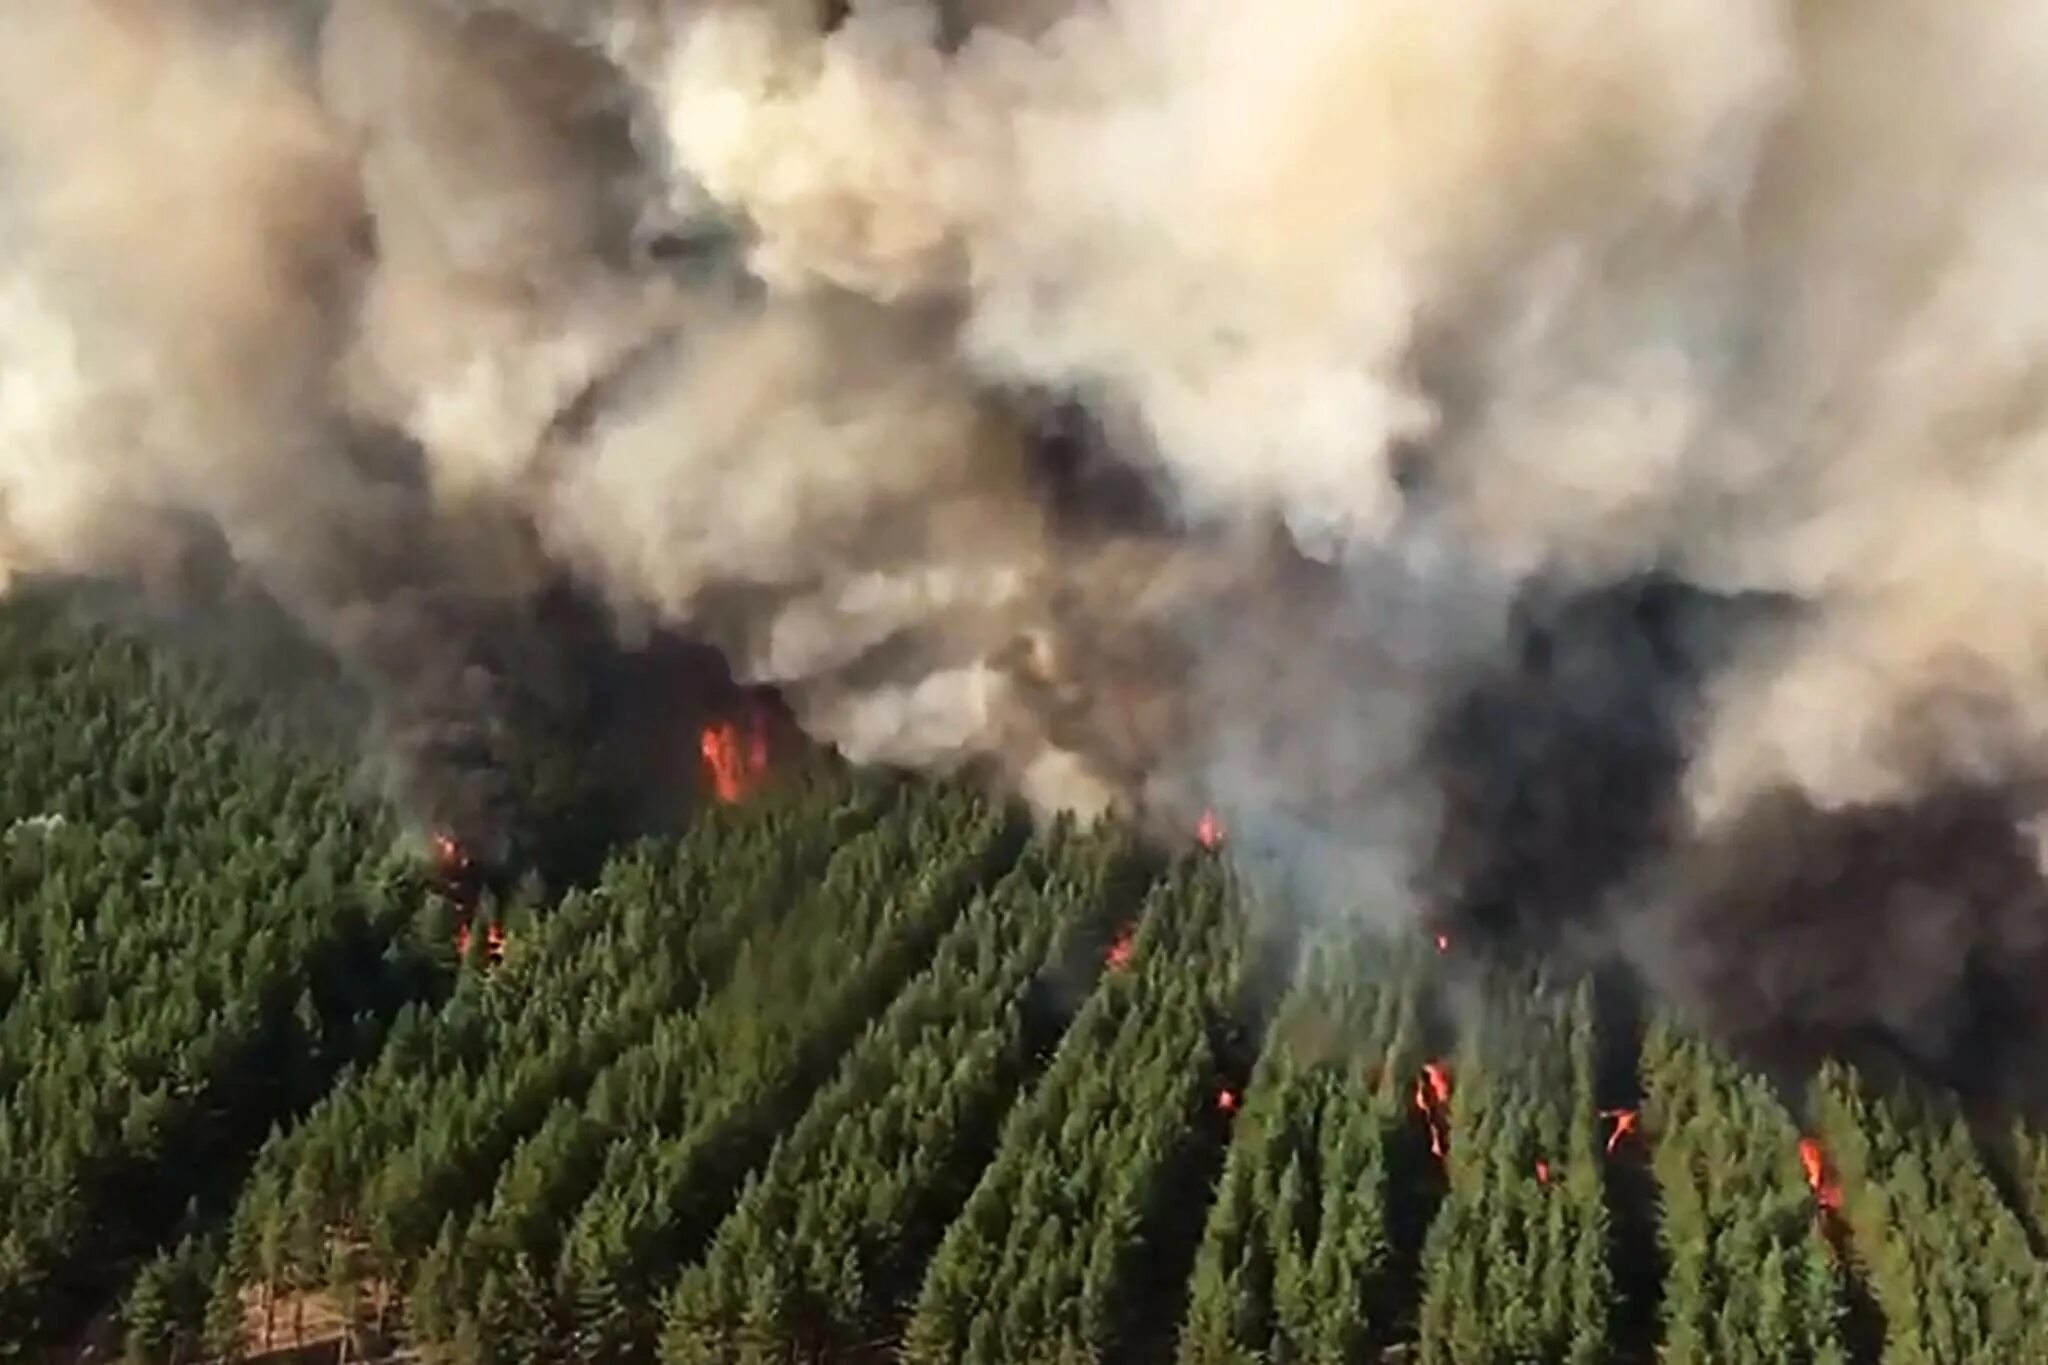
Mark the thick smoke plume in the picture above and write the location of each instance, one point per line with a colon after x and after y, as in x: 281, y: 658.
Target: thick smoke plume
x: 1530, y: 460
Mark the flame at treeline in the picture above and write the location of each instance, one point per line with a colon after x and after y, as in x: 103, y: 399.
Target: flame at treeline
x: 455, y: 875
x: 957, y: 381
x: 735, y: 750
x: 1820, y: 1177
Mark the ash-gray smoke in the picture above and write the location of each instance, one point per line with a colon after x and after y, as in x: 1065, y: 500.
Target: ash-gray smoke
x: 1160, y: 404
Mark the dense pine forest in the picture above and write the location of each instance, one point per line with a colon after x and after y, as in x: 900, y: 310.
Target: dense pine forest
x: 853, y: 1068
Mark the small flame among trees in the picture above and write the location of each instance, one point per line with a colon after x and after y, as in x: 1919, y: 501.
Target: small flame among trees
x: 1626, y: 1121
x: 1120, y: 949
x: 1226, y: 1101
x: 1814, y: 1161
x: 1433, y: 1102
x: 454, y: 875
x: 494, y: 941
x: 1209, y: 830
x: 735, y: 754
x: 451, y: 860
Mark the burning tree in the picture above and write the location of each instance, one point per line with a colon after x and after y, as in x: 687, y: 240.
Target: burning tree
x: 1736, y: 1210
x: 1515, y: 1265
x: 735, y: 752
x: 1433, y: 1102
x: 1813, y: 1163
x: 1946, y: 1259
x: 1286, y: 1263
x: 1626, y: 1122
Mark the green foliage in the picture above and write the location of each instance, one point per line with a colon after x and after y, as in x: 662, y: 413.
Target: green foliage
x: 1946, y: 1260
x: 1751, y: 1279
x: 1515, y: 1267
x: 1050, y: 1241
x: 840, y: 1072
x: 1293, y: 1259
x: 856, y: 1194
x: 197, y: 932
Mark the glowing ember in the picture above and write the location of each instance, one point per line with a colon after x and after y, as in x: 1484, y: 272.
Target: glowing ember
x: 1119, y: 955
x: 494, y: 941
x: 1443, y: 943
x: 1626, y: 1121
x: 735, y: 756
x: 1814, y: 1162
x: 1226, y: 1101
x: 452, y: 874
x: 449, y: 855
x: 1433, y: 1102
x: 1542, y: 1171
x: 1209, y: 830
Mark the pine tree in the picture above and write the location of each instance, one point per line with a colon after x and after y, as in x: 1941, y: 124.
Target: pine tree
x: 148, y: 1328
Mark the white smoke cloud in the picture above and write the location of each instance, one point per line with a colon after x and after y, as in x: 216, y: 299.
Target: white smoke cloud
x: 1743, y: 289
x: 1451, y: 300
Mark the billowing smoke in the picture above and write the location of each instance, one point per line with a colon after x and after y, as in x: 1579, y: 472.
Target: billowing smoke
x: 1569, y: 464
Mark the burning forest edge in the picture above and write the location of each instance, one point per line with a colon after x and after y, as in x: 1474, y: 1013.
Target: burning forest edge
x: 939, y: 983
x: 985, y: 484
x: 1460, y: 525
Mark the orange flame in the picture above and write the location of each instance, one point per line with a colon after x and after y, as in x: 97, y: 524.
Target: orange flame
x: 449, y: 855
x: 1433, y: 1102
x: 735, y: 757
x: 1626, y: 1121
x: 1443, y: 943
x: 1814, y: 1161
x: 1120, y: 949
x: 1226, y: 1101
x: 1209, y: 830
x: 1542, y: 1171
x: 1437, y: 1077
x: 494, y: 941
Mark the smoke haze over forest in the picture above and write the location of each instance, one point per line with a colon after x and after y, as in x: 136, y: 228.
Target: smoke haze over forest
x: 1572, y: 465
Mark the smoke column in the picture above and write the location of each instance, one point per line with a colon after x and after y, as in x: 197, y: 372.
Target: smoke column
x: 1568, y: 463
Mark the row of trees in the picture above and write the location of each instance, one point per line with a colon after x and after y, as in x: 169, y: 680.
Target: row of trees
x: 395, y: 1150
x: 1045, y: 1257
x: 1515, y: 1267
x: 1295, y: 1260
x: 834, y: 1230
x: 851, y: 1067
x: 1946, y: 1260
x: 1750, y: 1278
x: 394, y: 1154
x: 525, y: 1169
x: 196, y: 935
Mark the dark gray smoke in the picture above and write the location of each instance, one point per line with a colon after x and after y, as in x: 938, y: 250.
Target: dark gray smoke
x: 1525, y: 461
